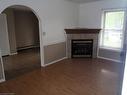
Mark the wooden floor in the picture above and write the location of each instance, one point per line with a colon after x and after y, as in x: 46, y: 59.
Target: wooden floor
x: 68, y: 77
x: 25, y: 61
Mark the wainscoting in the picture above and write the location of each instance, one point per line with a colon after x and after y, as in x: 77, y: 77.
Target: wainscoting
x: 109, y: 54
x: 54, y: 52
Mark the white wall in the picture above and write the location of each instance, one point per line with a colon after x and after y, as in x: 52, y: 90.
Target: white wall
x: 4, y: 41
x: 91, y: 13
x: 90, y: 16
x: 124, y: 87
x: 55, y: 15
x: 11, y: 29
x: 124, y: 77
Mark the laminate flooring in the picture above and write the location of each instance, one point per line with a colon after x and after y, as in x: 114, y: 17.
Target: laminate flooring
x: 68, y: 77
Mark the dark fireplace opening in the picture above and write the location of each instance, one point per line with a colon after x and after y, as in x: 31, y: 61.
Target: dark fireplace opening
x: 82, y: 48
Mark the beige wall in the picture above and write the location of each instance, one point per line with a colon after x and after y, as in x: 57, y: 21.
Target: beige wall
x: 11, y: 29
x: 27, y: 28
x: 23, y: 29
x: 54, y: 52
x: 110, y: 54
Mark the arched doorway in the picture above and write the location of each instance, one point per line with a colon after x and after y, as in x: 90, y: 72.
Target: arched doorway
x: 12, y: 46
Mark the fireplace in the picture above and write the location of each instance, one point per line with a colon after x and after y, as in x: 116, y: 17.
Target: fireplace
x: 82, y: 48
x: 82, y: 42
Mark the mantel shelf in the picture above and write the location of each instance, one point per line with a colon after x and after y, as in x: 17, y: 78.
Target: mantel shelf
x: 82, y: 31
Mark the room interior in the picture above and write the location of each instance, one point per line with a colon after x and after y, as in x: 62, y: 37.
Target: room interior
x: 79, y: 47
x: 23, y: 34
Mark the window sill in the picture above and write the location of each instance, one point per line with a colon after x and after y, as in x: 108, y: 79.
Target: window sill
x: 111, y: 49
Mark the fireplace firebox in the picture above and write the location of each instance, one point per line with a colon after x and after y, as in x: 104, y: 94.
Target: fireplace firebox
x: 82, y: 48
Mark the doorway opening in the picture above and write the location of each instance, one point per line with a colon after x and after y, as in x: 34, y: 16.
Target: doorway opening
x: 24, y: 41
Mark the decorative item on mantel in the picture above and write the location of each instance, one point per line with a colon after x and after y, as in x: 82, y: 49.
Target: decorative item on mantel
x: 82, y: 42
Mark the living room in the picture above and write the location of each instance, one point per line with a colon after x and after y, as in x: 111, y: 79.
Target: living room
x: 81, y: 47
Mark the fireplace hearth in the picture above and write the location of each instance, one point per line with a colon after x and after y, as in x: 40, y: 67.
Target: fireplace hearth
x: 82, y: 48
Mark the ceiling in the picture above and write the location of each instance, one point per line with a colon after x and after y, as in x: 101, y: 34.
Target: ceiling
x: 18, y: 7
x: 84, y: 1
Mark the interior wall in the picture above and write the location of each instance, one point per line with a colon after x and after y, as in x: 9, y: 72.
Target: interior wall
x: 2, y: 77
x: 54, y: 52
x: 4, y: 41
x: 1, y: 71
x: 11, y: 29
x: 26, y: 29
x: 91, y: 13
x: 55, y: 15
x: 123, y: 87
x: 91, y: 17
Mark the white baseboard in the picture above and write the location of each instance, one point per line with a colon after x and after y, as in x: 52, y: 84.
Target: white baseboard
x: 28, y: 47
x: 2, y: 80
x: 109, y: 59
x: 55, y: 61
x: 13, y: 53
x: 58, y: 42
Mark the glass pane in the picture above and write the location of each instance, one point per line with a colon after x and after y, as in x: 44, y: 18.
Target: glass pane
x: 114, y: 20
x: 112, y: 38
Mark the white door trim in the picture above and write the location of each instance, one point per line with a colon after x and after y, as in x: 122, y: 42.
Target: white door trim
x: 40, y: 31
x: 3, y: 74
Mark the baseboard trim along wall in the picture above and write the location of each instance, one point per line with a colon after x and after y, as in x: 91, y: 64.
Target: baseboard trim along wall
x: 28, y: 47
x: 2, y: 80
x: 13, y: 53
x: 109, y: 59
x: 53, y: 62
x: 57, y: 42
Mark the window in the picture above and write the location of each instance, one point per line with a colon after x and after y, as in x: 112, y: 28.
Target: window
x: 113, y: 27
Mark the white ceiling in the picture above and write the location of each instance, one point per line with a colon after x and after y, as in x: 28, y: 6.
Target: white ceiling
x: 84, y: 1
x: 18, y: 7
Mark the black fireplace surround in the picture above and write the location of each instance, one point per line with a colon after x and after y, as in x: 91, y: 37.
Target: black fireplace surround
x: 82, y: 48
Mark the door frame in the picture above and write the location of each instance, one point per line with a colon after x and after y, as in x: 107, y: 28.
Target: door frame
x: 3, y: 73
x: 40, y: 31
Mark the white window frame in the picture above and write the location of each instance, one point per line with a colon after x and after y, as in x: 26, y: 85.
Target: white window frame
x: 103, y: 27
